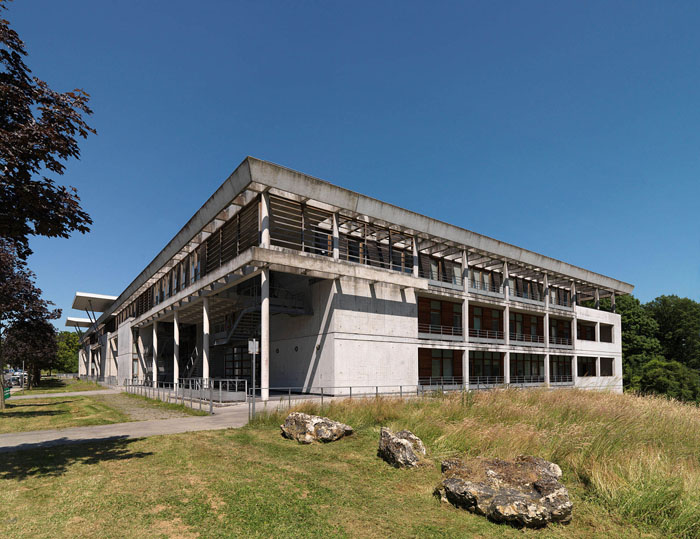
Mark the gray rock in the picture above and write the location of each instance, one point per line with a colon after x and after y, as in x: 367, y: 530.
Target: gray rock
x: 403, y: 449
x: 305, y: 428
x: 524, y: 492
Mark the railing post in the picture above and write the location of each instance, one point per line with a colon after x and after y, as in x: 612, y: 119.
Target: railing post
x: 401, y: 392
x: 290, y: 398
x: 351, y: 392
x: 211, y: 399
x: 321, y: 397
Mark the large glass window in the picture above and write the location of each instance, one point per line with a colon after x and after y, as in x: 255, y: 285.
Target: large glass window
x: 606, y: 333
x: 586, y: 366
x: 607, y: 366
x: 560, y: 368
x: 526, y: 367
x: 485, y: 365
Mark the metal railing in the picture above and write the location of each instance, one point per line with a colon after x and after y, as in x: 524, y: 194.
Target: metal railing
x: 561, y: 379
x: 441, y: 277
x: 524, y: 337
x: 564, y: 302
x: 434, y: 329
x: 526, y: 295
x: 485, y: 333
x: 485, y: 381
x: 560, y: 340
x: 192, y: 392
x: 486, y: 287
x: 527, y: 379
x: 441, y: 381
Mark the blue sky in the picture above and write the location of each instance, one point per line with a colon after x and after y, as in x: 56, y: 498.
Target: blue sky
x: 572, y: 129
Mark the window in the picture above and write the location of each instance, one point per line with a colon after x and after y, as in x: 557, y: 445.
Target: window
x: 456, y: 315
x: 484, y: 366
x: 586, y: 366
x: 437, y: 365
x: 606, y: 366
x: 435, y: 313
x: 527, y: 367
x: 560, y: 368
x: 585, y: 332
x: 606, y: 333
x: 477, y: 318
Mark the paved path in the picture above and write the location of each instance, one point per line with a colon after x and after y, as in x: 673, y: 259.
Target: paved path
x: 66, y: 394
x: 225, y: 417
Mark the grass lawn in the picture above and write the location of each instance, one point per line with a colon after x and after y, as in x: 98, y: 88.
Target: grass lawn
x: 630, y: 463
x: 63, y: 412
x: 56, y: 385
x: 57, y: 413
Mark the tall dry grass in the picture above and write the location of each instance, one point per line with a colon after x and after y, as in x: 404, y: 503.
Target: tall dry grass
x: 638, y: 456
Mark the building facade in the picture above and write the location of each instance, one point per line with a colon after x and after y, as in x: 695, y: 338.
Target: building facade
x: 343, y: 290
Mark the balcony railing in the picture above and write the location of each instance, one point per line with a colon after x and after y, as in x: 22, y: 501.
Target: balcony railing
x: 526, y: 295
x: 485, y: 333
x: 524, y: 337
x: 441, y: 277
x: 441, y: 381
x: 565, y: 341
x: 485, y: 380
x: 486, y: 287
x: 563, y: 302
x: 527, y: 379
x: 433, y: 329
x: 561, y: 379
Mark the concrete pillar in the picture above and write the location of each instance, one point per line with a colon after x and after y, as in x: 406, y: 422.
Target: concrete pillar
x: 205, y: 338
x: 465, y: 270
x: 265, y: 334
x: 545, y: 286
x: 506, y: 325
x: 574, y: 369
x: 336, y: 238
x: 597, y: 298
x: 506, y: 368
x: 176, y: 347
x: 612, y: 301
x: 265, y: 220
x: 597, y: 367
x: 597, y: 332
x: 154, y: 359
x: 546, y: 370
x: 465, y: 369
x: 414, y: 244
x: 506, y: 282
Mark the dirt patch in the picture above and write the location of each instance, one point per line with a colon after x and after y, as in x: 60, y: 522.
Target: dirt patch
x: 136, y: 409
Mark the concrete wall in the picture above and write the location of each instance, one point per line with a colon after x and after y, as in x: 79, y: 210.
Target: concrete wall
x: 601, y: 349
x: 125, y: 343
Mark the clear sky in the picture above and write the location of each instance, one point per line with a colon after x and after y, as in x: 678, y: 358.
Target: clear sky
x: 572, y: 129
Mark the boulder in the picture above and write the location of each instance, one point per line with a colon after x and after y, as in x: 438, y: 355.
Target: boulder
x: 524, y: 492
x: 305, y: 428
x: 403, y: 449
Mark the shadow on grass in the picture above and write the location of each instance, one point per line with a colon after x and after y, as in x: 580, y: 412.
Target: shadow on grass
x: 54, y: 458
x: 30, y: 403
x: 33, y: 413
x: 50, y: 383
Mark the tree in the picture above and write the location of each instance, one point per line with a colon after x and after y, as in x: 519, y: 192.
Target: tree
x: 38, y: 132
x: 670, y: 378
x: 20, y: 299
x: 68, y: 346
x: 678, y: 331
x: 639, y: 342
x: 32, y: 341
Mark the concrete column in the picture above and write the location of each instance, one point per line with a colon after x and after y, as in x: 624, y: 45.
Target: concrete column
x: 265, y: 334
x: 546, y: 370
x: 545, y: 285
x: 506, y: 282
x: 414, y: 243
x: 597, y: 298
x: 465, y: 270
x: 205, y: 338
x: 506, y: 325
x: 465, y: 369
x: 154, y: 359
x: 265, y: 220
x: 336, y: 238
x: 612, y: 301
x: 597, y: 367
x: 574, y: 369
x: 574, y: 301
x: 506, y: 368
x: 176, y: 347
x: 465, y: 318
x: 597, y: 332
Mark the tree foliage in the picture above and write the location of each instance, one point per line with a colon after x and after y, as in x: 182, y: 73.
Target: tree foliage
x: 678, y: 330
x: 670, y: 378
x: 39, y: 128
x: 68, y: 346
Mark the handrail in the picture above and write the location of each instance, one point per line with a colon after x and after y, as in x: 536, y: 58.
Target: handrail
x: 560, y: 340
x: 561, y: 379
x: 441, y: 381
x: 487, y: 287
x: 526, y: 295
x: 524, y: 337
x: 439, y: 276
x: 435, y: 329
x: 485, y: 333
x: 527, y: 379
x: 485, y: 380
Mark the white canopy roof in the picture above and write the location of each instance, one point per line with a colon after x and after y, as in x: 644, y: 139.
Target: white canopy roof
x: 72, y: 322
x: 98, y: 303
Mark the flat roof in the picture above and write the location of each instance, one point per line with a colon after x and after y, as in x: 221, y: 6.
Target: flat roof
x: 99, y: 303
x: 264, y: 175
x: 73, y: 322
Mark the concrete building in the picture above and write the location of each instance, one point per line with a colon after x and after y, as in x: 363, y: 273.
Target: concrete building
x: 343, y: 290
